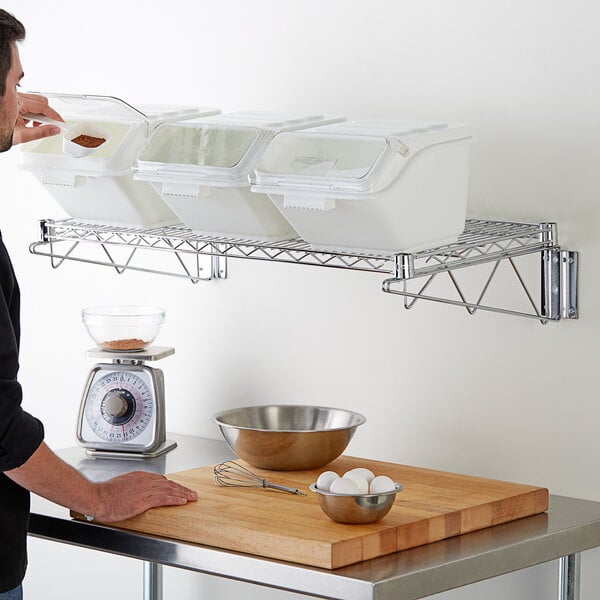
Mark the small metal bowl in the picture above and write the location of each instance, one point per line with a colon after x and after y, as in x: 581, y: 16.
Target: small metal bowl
x: 287, y: 437
x: 356, y: 508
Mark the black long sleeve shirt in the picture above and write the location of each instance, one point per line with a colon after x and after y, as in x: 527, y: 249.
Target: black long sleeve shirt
x: 20, y: 434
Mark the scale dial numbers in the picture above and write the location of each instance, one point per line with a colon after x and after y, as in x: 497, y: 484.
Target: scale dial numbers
x: 119, y: 406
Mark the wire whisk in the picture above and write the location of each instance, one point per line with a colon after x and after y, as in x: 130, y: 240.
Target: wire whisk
x: 230, y: 473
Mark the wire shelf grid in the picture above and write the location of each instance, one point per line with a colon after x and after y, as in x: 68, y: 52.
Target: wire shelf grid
x: 482, y: 241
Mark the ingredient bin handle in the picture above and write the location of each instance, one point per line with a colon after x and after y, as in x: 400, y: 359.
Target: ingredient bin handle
x: 173, y: 188
x: 311, y: 201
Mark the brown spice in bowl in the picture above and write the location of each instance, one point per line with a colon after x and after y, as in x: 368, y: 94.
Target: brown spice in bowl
x: 128, y: 344
x: 88, y: 141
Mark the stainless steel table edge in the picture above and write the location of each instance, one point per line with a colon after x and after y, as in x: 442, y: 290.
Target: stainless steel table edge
x: 570, y: 526
x: 194, y: 557
x: 564, y: 546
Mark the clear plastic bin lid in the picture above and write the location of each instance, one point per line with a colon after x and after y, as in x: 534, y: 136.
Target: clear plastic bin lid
x: 106, y: 108
x: 273, y: 120
x: 223, y: 148
x: 128, y: 128
x: 197, y: 152
x: 348, y: 156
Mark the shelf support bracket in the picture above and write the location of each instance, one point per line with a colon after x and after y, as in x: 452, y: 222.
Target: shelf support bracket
x: 559, y: 284
x: 198, y: 267
x: 559, y: 278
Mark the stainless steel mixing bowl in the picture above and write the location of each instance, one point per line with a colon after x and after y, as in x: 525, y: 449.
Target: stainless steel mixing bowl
x: 287, y: 437
x: 356, y: 508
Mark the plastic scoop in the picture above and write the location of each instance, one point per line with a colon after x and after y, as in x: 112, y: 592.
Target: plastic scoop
x: 70, y: 132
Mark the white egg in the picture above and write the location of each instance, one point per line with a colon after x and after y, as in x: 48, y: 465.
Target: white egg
x: 344, y: 486
x: 325, y: 480
x: 365, y: 473
x: 381, y: 484
x: 361, y: 483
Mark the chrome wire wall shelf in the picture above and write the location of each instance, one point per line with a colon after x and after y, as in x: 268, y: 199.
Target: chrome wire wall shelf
x: 197, y: 258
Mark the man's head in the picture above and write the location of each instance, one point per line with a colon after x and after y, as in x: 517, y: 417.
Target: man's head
x: 11, y: 32
x: 11, y: 72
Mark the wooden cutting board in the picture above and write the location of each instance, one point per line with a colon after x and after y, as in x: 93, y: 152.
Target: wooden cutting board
x: 433, y: 505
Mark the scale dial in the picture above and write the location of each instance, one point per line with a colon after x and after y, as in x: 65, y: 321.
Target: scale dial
x: 119, y: 406
x: 122, y: 408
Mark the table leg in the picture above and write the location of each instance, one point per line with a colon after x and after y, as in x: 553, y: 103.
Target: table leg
x: 569, y: 568
x: 153, y: 584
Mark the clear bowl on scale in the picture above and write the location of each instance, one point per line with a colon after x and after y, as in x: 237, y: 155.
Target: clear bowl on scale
x: 123, y: 328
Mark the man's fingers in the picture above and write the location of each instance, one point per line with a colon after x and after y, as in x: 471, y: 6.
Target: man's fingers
x: 170, y: 488
x: 37, y: 97
x: 166, y: 500
x: 28, y: 134
x: 32, y: 103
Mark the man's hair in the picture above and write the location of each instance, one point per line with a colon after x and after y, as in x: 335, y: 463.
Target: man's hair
x: 11, y: 31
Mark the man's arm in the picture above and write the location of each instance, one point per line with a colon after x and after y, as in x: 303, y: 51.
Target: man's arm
x: 43, y: 472
x: 119, y: 498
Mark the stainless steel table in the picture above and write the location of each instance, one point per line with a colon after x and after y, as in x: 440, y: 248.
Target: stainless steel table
x: 569, y: 527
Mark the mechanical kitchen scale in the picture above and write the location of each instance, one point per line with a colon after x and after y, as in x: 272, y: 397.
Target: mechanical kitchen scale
x: 122, y: 412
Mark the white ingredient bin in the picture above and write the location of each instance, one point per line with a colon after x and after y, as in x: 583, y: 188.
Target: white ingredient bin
x: 378, y: 185
x: 99, y: 188
x: 201, y: 169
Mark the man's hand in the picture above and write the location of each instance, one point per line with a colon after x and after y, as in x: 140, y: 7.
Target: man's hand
x: 132, y: 493
x: 32, y: 103
x: 114, y: 500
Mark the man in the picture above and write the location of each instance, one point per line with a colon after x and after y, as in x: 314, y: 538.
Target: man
x: 26, y: 463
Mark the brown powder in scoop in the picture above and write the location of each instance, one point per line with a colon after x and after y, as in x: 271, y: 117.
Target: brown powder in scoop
x: 88, y: 141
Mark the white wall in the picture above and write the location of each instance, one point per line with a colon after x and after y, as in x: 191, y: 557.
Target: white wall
x: 486, y: 395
